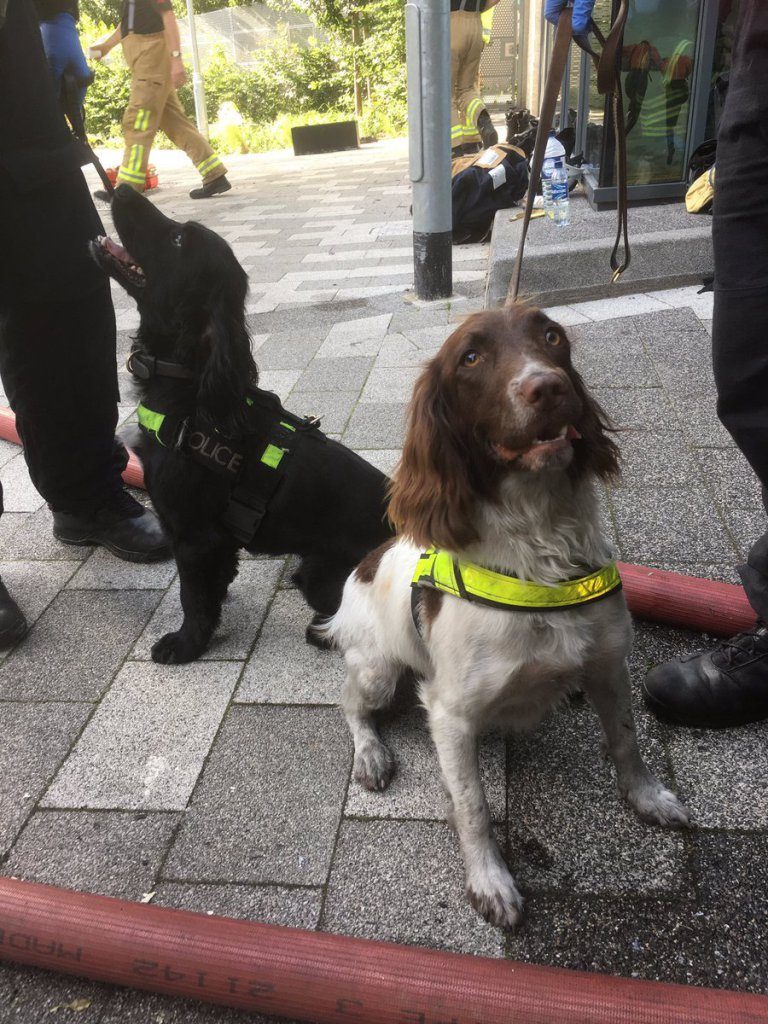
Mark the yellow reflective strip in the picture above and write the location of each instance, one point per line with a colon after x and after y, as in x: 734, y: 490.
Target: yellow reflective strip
x: 208, y: 164
x: 142, y: 119
x: 127, y: 175
x: 473, y: 109
x: 437, y: 569
x: 272, y: 456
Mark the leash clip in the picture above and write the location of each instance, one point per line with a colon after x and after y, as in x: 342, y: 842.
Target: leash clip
x: 181, y: 437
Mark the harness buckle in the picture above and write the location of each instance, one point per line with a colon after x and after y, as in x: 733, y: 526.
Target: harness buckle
x: 143, y: 367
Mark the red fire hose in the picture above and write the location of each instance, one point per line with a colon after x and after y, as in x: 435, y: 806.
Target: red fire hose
x: 328, y: 979
x: 685, y: 601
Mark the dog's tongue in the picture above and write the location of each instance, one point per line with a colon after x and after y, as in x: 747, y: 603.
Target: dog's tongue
x: 572, y: 434
x: 115, y: 249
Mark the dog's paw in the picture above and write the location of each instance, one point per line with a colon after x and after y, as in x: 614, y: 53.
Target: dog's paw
x: 658, y: 806
x: 374, y: 766
x: 494, y: 896
x: 173, y: 649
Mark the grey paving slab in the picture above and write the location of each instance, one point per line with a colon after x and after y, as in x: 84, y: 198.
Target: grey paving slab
x: 656, y: 939
x: 241, y: 616
x: 18, y: 493
x: 697, y: 416
x: 733, y: 878
x: 332, y: 407
x: 76, y: 646
x: 343, y: 374
x: 296, y: 907
x: 390, y: 384
x: 637, y: 409
x: 569, y: 830
x: 31, y: 996
x: 269, y: 802
x: 103, y: 571
x: 36, y: 738
x: 376, y: 426
x: 611, y: 353
x: 678, y: 524
x: 416, y: 790
x: 284, y: 668
x: 35, y: 584
x: 656, y: 459
x: 282, y: 353
x: 384, y: 459
x: 112, y: 853
x: 403, y: 881
x: 279, y: 381
x: 145, y: 745
x: 723, y: 774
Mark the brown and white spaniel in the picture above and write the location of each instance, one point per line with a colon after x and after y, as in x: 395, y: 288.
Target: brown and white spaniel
x: 503, y: 448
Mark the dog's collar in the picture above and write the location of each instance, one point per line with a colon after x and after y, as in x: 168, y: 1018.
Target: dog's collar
x: 145, y: 367
x: 440, y: 570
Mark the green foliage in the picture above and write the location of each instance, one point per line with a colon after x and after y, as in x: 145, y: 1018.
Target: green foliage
x: 287, y: 84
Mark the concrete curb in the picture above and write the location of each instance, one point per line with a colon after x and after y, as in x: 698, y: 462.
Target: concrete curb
x: 669, y: 248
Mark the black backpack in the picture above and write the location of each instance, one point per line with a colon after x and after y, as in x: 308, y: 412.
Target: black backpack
x: 492, y: 180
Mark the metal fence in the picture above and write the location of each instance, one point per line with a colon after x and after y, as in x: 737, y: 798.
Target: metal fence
x: 502, y: 61
x: 242, y: 31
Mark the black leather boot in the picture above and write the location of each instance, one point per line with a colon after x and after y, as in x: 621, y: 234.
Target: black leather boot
x: 213, y: 188
x: 486, y: 131
x: 124, y: 527
x: 13, y: 625
x: 715, y: 689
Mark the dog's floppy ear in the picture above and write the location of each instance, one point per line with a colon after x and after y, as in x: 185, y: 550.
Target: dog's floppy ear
x: 228, y: 368
x: 597, y: 453
x: 432, y: 498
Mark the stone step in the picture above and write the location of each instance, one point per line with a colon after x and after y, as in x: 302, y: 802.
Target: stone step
x: 669, y: 247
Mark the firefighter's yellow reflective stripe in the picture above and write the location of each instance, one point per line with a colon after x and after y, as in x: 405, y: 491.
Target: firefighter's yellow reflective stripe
x: 142, y: 119
x: 207, y: 165
x: 442, y: 571
x: 135, y: 158
x: 131, y: 176
x: 151, y: 421
x: 473, y: 110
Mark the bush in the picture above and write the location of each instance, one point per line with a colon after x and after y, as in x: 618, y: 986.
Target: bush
x: 286, y: 86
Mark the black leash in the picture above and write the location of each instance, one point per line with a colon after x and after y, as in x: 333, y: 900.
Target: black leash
x: 73, y: 112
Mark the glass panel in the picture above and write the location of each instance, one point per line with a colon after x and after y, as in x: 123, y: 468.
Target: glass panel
x: 596, y: 115
x: 721, y: 64
x: 656, y: 74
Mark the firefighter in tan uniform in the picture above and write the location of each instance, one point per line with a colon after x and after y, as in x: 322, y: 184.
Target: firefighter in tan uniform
x: 149, y: 35
x: 469, y: 119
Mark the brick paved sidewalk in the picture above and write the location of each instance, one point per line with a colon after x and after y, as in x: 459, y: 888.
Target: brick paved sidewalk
x: 224, y: 786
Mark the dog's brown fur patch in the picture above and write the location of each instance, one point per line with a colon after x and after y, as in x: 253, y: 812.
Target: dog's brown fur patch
x: 366, y: 570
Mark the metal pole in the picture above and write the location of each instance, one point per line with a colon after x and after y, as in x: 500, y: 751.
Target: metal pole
x: 428, y: 55
x: 198, y: 89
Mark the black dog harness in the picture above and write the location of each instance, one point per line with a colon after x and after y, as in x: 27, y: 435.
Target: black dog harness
x: 254, y: 463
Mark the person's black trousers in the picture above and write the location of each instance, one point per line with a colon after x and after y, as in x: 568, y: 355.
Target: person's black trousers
x: 58, y: 365
x: 740, y: 236
x: 57, y: 324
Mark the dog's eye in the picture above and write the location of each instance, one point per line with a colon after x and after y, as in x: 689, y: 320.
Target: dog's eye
x: 177, y: 239
x: 470, y: 358
x: 552, y: 337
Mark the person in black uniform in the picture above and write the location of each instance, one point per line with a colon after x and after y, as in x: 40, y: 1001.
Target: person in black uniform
x: 729, y: 685
x: 57, y: 324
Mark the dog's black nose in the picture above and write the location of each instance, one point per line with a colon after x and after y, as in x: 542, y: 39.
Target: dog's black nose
x: 543, y: 390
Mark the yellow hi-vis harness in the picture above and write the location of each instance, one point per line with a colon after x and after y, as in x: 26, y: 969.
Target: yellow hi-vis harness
x: 440, y: 570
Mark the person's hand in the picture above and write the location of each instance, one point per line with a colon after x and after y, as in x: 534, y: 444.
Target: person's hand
x: 178, y: 72
x: 582, y: 14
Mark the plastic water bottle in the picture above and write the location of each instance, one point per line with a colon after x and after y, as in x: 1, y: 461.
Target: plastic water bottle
x: 553, y: 152
x: 558, y: 183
